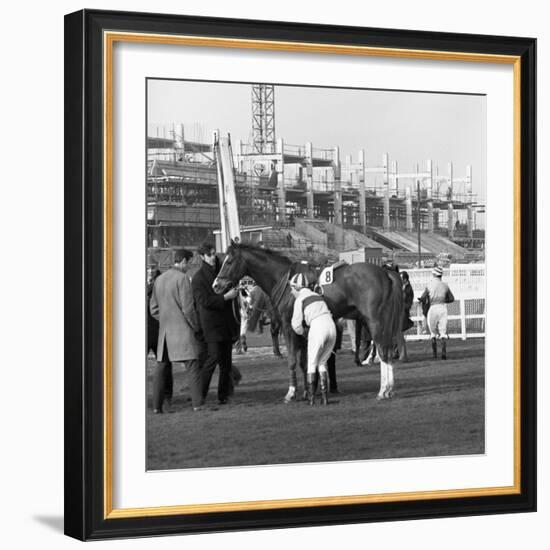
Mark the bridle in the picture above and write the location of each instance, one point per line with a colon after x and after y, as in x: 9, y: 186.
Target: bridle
x: 278, y: 291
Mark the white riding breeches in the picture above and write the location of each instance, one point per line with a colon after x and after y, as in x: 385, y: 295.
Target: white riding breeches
x: 437, y: 321
x: 320, y: 343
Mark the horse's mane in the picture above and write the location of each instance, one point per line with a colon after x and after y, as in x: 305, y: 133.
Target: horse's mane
x: 256, y: 248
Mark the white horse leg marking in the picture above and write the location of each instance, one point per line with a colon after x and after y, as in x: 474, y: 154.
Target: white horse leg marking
x: 383, y: 380
x: 370, y: 359
x: 389, y: 391
x: 291, y: 394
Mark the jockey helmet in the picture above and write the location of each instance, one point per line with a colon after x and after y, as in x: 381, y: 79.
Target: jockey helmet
x: 437, y: 272
x: 299, y: 281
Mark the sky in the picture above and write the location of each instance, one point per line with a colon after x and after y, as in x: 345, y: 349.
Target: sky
x: 410, y: 126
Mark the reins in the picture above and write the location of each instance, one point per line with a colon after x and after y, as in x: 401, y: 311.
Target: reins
x: 279, y: 290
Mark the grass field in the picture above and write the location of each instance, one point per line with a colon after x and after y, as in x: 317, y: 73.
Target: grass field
x: 438, y: 409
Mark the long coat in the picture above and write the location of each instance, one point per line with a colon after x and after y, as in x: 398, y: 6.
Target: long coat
x: 408, y: 299
x: 152, y: 323
x: 172, y: 304
x: 217, y: 317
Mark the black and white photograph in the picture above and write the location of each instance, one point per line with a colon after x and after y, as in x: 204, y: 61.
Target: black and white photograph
x: 315, y: 283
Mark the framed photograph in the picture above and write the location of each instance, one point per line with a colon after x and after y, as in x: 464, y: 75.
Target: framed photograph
x: 300, y: 274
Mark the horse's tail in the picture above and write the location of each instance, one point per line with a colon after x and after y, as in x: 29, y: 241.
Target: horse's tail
x: 394, y: 308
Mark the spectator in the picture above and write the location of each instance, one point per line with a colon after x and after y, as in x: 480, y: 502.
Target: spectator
x: 172, y: 305
x: 408, y: 298
x: 439, y: 295
x: 152, y: 324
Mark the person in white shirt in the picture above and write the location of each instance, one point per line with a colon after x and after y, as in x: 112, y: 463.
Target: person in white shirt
x: 312, y: 314
x: 439, y: 295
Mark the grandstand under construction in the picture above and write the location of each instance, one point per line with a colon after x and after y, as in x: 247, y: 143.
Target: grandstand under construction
x: 307, y: 201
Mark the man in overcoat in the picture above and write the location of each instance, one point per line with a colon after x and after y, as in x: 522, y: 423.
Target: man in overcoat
x: 220, y: 327
x: 152, y: 323
x: 408, y: 299
x: 173, y: 306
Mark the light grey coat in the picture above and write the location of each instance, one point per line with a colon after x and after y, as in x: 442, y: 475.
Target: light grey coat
x: 173, y: 306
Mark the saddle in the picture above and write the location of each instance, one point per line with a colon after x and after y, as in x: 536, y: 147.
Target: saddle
x: 327, y: 275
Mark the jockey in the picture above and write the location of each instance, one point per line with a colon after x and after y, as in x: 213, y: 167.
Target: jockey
x: 311, y: 311
x: 438, y: 294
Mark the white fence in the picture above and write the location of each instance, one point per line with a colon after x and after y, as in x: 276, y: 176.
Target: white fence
x: 466, y: 320
x: 463, y: 279
x: 466, y: 313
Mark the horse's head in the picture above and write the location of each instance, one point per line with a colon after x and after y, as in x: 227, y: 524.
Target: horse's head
x: 232, y: 271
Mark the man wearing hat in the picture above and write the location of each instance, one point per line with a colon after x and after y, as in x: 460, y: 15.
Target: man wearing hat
x: 311, y: 310
x: 439, y: 295
x: 173, y: 306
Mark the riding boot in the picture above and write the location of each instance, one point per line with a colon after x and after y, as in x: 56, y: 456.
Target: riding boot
x: 311, y: 387
x: 444, y: 349
x: 434, y: 348
x: 324, y: 388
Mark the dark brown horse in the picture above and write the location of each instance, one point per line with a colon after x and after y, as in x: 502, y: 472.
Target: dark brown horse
x: 361, y: 290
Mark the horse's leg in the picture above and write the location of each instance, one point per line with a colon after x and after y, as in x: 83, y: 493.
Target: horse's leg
x: 389, y: 391
x: 386, y: 380
x: 386, y: 372
x: 381, y: 353
x: 358, y: 329
x: 402, y: 347
x: 244, y: 345
x: 383, y: 380
x: 373, y: 354
x: 241, y: 342
x: 351, y: 329
x: 383, y: 372
x: 275, y: 340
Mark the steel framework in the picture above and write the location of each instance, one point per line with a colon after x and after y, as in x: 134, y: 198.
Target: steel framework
x: 263, y: 118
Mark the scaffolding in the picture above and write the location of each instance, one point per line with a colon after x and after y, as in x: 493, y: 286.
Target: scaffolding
x: 287, y: 182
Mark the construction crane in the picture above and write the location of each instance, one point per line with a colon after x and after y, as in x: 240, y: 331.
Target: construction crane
x: 263, y: 118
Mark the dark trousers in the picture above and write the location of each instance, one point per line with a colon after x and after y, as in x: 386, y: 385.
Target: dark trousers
x: 163, y: 383
x: 217, y: 353
x: 194, y: 379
